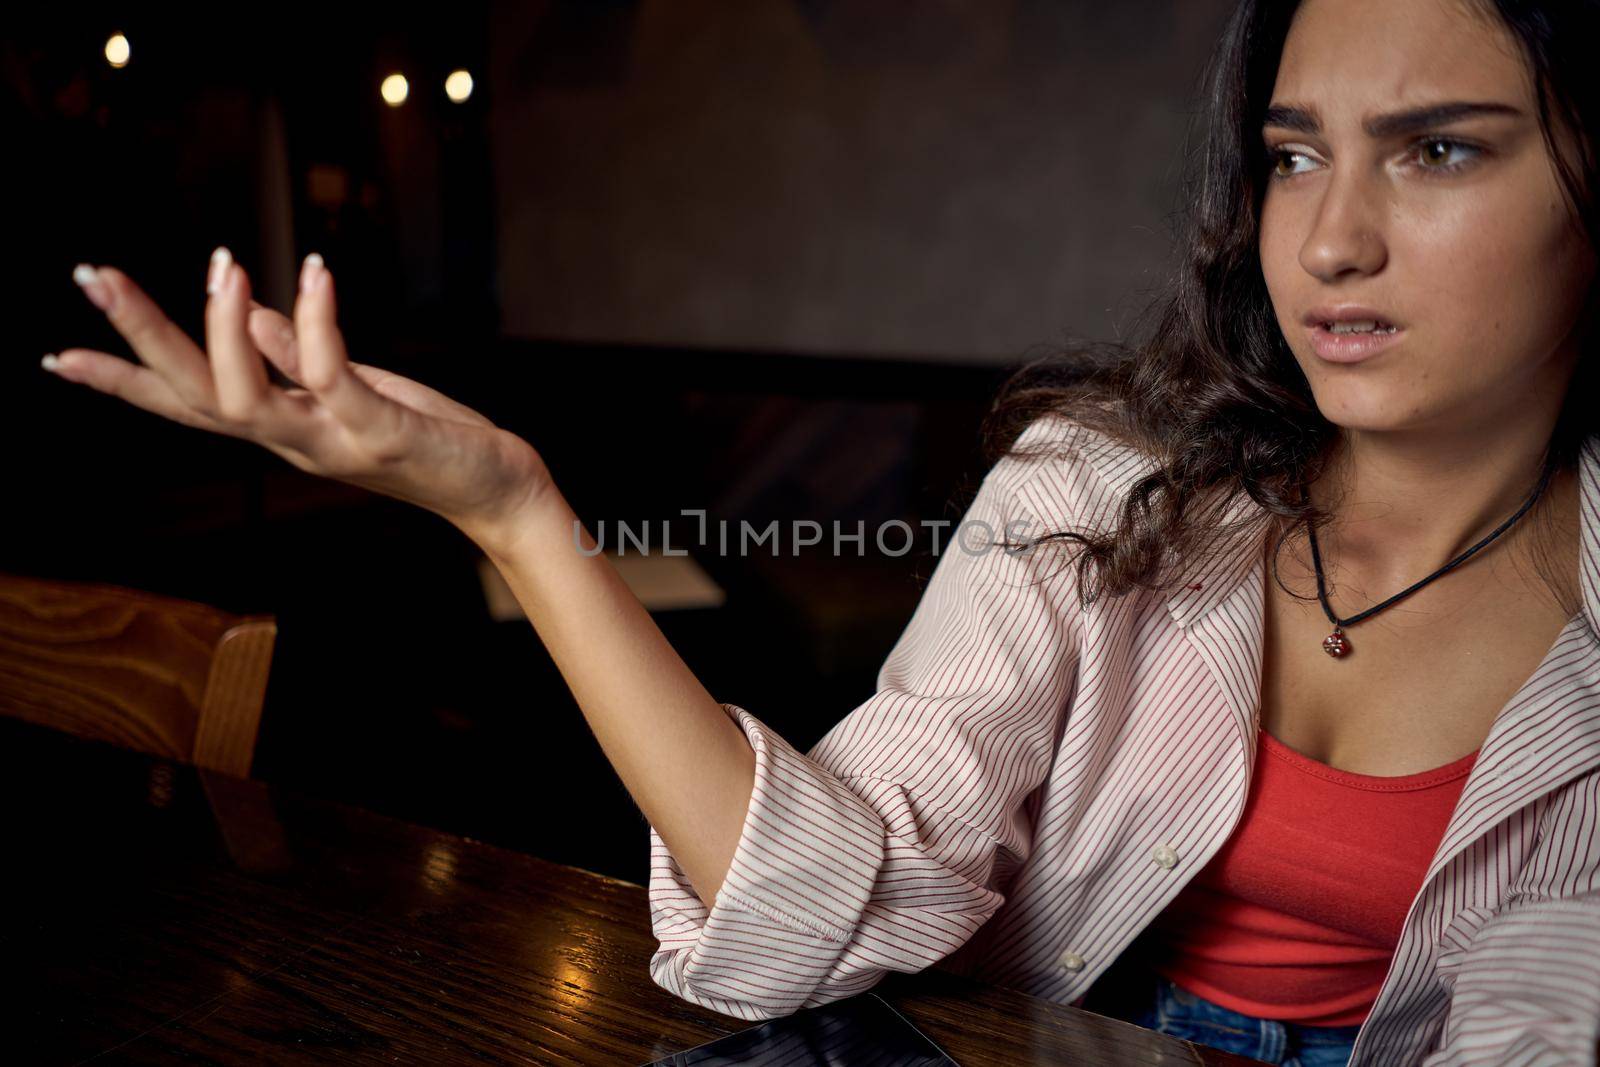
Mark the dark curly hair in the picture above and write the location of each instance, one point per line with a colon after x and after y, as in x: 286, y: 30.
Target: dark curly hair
x: 1214, y: 394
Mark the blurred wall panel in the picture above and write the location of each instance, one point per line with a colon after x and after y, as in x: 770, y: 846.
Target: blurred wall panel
x: 956, y: 180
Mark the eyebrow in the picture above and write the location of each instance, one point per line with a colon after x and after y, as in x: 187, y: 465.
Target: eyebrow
x: 1393, y: 124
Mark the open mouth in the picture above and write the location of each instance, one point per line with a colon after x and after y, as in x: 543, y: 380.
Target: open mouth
x: 1353, y: 340
x: 1358, y: 326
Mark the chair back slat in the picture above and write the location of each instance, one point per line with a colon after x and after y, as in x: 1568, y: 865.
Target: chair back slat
x: 158, y: 674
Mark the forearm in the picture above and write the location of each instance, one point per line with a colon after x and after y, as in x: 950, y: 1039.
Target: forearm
x: 686, y: 764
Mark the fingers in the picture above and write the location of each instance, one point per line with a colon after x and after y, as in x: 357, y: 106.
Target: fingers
x: 139, y: 386
x: 242, y: 387
x: 144, y: 388
x: 325, y: 368
x: 273, y: 333
x: 227, y: 392
x: 155, y: 338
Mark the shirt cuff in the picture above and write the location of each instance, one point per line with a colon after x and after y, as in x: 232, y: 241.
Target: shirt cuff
x: 808, y: 857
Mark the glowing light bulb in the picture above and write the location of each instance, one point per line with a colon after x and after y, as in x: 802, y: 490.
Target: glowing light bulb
x: 395, y: 88
x: 117, y: 50
x: 458, y: 86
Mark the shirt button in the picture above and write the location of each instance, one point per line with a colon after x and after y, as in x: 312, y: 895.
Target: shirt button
x: 1164, y: 856
x: 1072, y: 961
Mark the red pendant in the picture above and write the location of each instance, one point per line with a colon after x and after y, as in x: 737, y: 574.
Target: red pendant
x: 1335, y: 644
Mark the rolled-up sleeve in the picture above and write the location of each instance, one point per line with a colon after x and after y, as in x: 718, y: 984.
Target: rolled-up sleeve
x: 888, y: 845
x: 1527, y: 987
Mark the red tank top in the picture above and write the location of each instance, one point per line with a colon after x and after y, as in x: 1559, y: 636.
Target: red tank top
x: 1297, y: 916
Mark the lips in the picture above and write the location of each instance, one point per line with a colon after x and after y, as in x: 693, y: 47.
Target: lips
x: 1337, y: 346
x: 1347, y: 315
x: 1351, y: 333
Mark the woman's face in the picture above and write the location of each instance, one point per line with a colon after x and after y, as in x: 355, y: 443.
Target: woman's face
x: 1453, y: 228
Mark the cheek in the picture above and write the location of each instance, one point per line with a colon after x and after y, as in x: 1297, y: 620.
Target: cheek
x: 1497, y: 274
x: 1556, y: 270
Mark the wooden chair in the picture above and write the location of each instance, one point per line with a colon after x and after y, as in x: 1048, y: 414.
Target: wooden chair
x: 169, y: 677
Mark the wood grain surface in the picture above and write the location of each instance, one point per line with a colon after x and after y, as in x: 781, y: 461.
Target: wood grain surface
x: 169, y: 677
x: 161, y: 913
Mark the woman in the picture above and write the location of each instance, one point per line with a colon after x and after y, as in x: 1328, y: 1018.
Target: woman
x: 1300, y: 757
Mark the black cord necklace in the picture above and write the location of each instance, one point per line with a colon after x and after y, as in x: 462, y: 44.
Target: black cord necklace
x: 1336, y: 644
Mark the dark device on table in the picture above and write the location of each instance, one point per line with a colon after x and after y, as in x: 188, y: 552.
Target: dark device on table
x: 855, y: 1032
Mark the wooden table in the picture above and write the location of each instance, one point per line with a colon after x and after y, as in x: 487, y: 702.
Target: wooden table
x: 159, y: 914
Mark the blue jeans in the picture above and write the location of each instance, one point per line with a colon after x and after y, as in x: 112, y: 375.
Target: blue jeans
x: 1145, y: 998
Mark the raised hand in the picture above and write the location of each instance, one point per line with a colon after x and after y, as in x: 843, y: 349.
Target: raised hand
x: 356, y: 423
x: 684, y: 760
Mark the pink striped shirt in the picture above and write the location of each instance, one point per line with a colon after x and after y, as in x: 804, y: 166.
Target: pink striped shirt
x: 1034, y: 782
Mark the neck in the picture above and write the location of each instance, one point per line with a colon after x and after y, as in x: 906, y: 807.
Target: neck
x: 1407, y: 503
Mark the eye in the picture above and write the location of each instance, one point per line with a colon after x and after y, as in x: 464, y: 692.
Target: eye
x: 1279, y: 157
x: 1434, y: 154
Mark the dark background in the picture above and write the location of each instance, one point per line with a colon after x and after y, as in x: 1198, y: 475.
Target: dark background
x: 769, y: 258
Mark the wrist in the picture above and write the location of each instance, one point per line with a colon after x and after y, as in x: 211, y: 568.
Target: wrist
x: 535, y: 517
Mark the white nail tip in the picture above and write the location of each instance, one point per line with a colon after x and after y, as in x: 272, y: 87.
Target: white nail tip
x: 84, y: 274
x: 50, y: 362
x: 310, y: 271
x: 219, y: 265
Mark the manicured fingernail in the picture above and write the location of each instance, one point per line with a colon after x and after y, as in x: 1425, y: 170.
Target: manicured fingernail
x: 310, y: 271
x: 93, y: 286
x: 220, y: 259
x: 50, y: 362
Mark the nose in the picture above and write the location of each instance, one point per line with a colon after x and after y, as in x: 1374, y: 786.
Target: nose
x: 1347, y: 231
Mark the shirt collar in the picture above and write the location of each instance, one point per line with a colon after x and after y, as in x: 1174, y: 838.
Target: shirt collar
x: 1589, y: 526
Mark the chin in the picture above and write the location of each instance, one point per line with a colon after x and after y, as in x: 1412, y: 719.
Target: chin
x: 1370, y: 409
